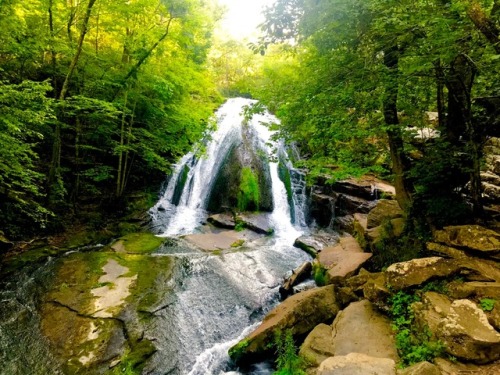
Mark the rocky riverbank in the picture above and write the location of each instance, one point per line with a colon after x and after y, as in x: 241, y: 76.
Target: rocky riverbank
x: 438, y: 314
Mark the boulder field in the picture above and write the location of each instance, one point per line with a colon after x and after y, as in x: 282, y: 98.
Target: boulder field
x: 439, y: 314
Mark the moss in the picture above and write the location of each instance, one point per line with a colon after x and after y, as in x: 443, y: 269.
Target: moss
x: 249, y: 193
x: 132, y: 362
x: 319, y: 274
x: 238, y: 243
x: 151, y: 272
x: 237, y: 351
x: 141, y: 243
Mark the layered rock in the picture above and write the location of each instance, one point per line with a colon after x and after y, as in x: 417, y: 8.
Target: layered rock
x: 299, y: 313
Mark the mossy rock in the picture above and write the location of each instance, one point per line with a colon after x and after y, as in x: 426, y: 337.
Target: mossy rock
x: 137, y: 243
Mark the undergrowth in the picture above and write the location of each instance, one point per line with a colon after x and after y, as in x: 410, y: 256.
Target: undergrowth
x: 319, y: 274
x: 288, y: 362
x: 414, y: 345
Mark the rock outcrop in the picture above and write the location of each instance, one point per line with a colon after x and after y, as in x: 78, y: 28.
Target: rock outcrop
x: 299, y: 313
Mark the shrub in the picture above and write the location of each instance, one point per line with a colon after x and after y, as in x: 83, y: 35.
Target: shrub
x: 288, y: 361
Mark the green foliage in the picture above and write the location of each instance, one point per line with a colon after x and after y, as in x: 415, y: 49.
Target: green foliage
x: 126, y: 117
x: 319, y: 274
x: 413, y: 344
x: 236, y: 352
x: 487, y: 304
x: 240, y: 225
x: 288, y: 361
x: 249, y: 192
x: 25, y: 115
x: 439, y: 286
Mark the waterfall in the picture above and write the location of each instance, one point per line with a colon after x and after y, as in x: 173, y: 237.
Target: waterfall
x: 217, y: 299
x: 183, y: 205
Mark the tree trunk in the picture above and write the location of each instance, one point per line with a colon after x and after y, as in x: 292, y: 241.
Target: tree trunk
x: 145, y: 56
x: 56, y: 149
x: 400, y: 163
x: 53, y: 60
x: 120, y: 152
x: 460, y: 127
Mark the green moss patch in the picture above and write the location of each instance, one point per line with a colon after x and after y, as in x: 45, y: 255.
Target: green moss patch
x: 138, y: 243
x: 249, y: 193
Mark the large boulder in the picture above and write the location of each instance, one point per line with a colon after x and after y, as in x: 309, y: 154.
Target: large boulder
x: 467, y: 333
x: 300, y: 313
x: 474, y: 238
x: 318, y: 345
x: 360, y: 328
x: 343, y: 260
x: 430, y: 311
x: 384, y: 210
x: 357, y: 364
x: 417, y: 271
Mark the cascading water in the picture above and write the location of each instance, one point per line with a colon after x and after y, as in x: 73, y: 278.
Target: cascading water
x: 218, y: 299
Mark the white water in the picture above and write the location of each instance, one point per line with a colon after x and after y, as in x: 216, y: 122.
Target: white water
x: 218, y: 300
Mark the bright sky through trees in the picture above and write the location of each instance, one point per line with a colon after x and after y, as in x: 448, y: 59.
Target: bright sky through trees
x: 243, y: 17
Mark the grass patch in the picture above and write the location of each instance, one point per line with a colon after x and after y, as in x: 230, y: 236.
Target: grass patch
x: 288, y: 362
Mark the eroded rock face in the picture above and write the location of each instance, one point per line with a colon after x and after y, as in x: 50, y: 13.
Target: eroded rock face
x: 384, y: 210
x: 360, y: 328
x: 467, y: 333
x: 357, y: 364
x: 300, y: 313
x: 417, y: 271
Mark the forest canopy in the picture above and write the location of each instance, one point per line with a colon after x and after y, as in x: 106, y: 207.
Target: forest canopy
x: 97, y: 96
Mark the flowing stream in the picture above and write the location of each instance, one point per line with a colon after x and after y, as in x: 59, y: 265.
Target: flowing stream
x: 212, y: 300
x: 218, y: 299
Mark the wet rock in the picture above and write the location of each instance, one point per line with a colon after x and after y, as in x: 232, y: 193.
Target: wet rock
x: 367, y: 187
x: 384, y: 210
x: 360, y: 328
x: 315, y: 243
x: 467, y: 333
x: 344, y: 223
x: 298, y: 275
x: 300, y: 313
x: 322, y: 208
x: 259, y: 223
x: 422, y: 368
x: 357, y: 364
x: 224, y: 220
x: 349, y: 204
x: 223, y: 240
x: 470, y: 237
x: 456, y: 368
x: 417, y: 271
x: 318, y: 345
